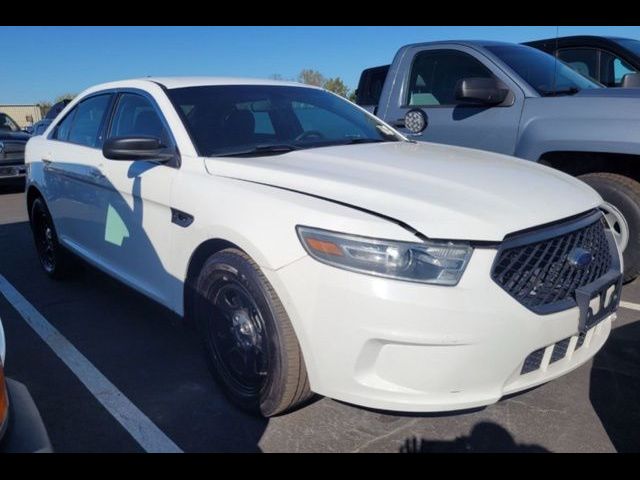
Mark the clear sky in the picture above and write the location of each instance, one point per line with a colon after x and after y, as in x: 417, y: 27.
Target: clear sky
x: 40, y: 63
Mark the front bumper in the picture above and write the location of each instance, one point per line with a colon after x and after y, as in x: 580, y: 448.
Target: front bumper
x: 396, y: 345
x: 25, y: 431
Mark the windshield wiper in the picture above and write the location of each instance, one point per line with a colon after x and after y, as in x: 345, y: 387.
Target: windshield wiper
x: 564, y: 91
x: 355, y: 141
x: 259, y: 150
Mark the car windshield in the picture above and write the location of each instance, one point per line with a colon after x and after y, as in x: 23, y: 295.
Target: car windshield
x: 6, y: 123
x: 630, y: 44
x: 245, y: 120
x: 547, y: 75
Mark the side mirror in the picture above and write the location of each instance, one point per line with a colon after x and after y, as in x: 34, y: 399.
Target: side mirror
x: 136, y: 148
x: 483, y: 91
x: 631, y: 80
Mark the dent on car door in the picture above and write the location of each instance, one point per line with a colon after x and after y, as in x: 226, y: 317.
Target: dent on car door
x: 430, y: 78
x: 138, y: 228
x: 73, y: 175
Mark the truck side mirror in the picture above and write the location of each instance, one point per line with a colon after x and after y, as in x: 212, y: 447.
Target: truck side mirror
x: 482, y: 91
x: 631, y: 80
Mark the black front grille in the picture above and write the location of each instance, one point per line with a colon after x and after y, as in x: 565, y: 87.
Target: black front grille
x: 536, y: 272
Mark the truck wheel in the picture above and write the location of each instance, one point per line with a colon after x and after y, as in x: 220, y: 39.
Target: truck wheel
x: 623, y: 215
x: 250, y: 342
x: 55, y: 260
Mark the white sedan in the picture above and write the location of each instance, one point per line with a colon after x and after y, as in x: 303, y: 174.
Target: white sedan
x: 319, y: 250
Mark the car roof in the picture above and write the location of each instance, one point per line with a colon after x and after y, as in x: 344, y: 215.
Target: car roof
x: 193, y: 81
x: 470, y: 43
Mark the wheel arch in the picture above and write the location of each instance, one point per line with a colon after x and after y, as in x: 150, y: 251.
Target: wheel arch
x: 578, y: 163
x: 32, y: 193
x: 199, y: 256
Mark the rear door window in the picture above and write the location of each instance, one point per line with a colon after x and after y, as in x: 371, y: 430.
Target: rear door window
x: 83, y: 124
x: 582, y: 60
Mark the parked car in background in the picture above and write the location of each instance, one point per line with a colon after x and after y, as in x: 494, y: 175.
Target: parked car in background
x: 39, y: 127
x: 319, y: 250
x: 517, y: 100
x: 612, y: 61
x: 12, y: 143
x: 21, y: 427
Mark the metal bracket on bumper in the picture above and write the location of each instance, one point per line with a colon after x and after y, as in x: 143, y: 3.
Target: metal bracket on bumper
x: 14, y: 171
x: 599, y: 288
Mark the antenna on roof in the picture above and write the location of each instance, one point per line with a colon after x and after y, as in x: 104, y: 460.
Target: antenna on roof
x: 555, y: 64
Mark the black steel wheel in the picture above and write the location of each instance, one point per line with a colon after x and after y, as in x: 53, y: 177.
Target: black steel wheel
x: 54, y: 259
x: 250, y: 342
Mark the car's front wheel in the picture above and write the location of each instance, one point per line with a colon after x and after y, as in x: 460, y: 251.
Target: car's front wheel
x: 55, y: 260
x: 249, y: 339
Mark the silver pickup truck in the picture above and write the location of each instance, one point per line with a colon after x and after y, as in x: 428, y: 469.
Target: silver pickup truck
x: 519, y: 101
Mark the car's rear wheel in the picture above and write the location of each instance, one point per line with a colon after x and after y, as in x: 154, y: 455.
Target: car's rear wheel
x: 622, y: 212
x: 55, y: 260
x: 248, y: 336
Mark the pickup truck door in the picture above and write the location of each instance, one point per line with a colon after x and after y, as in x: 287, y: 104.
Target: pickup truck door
x: 138, y: 225
x: 426, y: 78
x: 72, y: 169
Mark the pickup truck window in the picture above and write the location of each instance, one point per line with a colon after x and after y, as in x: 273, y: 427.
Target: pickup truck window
x: 613, y: 69
x: 227, y: 120
x: 435, y: 74
x: 546, y: 74
x: 582, y: 60
x: 6, y: 123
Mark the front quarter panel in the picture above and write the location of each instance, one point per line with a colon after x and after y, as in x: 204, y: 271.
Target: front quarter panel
x: 259, y: 219
x: 575, y: 124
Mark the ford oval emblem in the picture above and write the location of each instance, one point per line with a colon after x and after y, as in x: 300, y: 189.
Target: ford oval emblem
x: 579, y: 258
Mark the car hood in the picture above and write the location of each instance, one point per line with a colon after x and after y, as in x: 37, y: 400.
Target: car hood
x: 14, y: 136
x: 609, y: 93
x: 442, y: 191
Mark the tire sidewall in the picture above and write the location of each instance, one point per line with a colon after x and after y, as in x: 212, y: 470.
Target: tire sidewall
x: 628, y: 202
x: 232, y: 264
x: 39, y: 205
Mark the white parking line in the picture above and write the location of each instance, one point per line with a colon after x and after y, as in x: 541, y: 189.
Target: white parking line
x: 139, y: 426
x: 630, y: 306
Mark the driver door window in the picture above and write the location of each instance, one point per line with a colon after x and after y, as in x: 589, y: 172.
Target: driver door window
x: 436, y: 73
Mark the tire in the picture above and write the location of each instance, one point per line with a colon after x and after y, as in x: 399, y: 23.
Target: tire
x: 624, y: 194
x: 250, y: 342
x: 55, y: 260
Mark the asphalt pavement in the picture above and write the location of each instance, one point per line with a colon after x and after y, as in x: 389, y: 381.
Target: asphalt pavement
x: 156, y: 363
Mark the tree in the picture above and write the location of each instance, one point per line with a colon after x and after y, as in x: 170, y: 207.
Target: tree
x: 336, y: 85
x: 65, y: 96
x: 311, y: 77
x: 44, y: 106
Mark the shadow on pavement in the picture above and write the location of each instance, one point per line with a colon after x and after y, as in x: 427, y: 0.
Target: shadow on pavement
x: 11, y: 186
x: 485, y: 437
x: 615, y: 387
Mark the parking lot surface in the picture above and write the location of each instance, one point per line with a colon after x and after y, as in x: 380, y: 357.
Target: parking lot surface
x: 154, y: 366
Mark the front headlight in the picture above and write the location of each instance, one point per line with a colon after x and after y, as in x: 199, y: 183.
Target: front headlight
x: 440, y: 263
